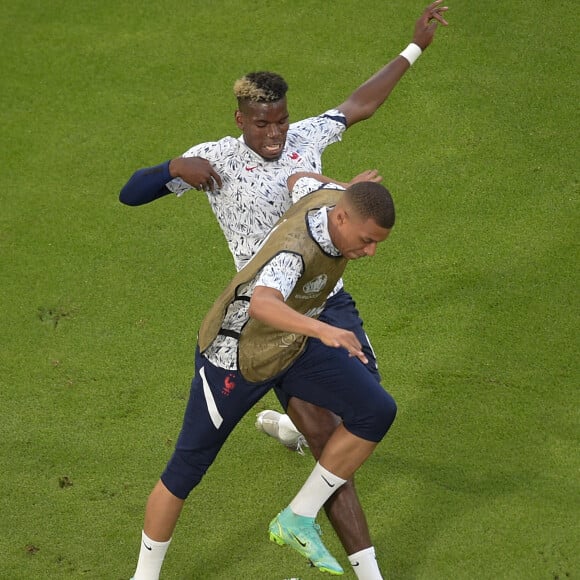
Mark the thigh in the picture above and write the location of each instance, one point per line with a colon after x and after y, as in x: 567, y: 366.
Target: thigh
x: 329, y: 378
x: 341, y: 311
x: 218, y: 400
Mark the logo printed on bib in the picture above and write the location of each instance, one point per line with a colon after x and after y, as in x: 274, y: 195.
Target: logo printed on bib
x: 315, y: 285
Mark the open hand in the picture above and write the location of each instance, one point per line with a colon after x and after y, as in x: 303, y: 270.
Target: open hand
x: 368, y: 175
x: 340, y: 338
x: 427, y: 24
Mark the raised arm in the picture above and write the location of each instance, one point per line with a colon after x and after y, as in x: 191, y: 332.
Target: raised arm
x: 267, y: 305
x: 367, y: 98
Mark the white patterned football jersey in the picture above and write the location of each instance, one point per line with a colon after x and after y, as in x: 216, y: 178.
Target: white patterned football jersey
x: 254, y: 192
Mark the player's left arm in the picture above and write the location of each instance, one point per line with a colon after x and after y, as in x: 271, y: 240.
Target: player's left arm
x: 367, y: 98
x: 322, y: 179
x: 314, y: 181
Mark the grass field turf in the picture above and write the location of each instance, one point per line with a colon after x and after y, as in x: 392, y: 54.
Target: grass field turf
x: 472, y: 305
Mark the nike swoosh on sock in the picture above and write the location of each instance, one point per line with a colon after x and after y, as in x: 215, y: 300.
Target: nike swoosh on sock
x: 328, y: 482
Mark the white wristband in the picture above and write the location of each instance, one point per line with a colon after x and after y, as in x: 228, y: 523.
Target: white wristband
x: 411, y: 53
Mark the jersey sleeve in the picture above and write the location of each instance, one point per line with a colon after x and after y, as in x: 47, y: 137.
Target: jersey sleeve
x: 336, y: 116
x: 146, y: 185
x: 282, y: 273
x: 321, y: 131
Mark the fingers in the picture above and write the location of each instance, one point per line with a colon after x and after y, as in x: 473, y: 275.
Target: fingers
x: 433, y: 12
x: 339, y: 338
x: 434, y: 6
x: 201, y: 175
x: 373, y: 175
x: 215, y: 176
x: 368, y: 175
x: 437, y: 16
x: 209, y: 184
x: 354, y: 348
x: 360, y: 355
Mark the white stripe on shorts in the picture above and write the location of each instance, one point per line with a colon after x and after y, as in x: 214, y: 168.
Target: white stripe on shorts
x: 373, y: 351
x: 214, y: 414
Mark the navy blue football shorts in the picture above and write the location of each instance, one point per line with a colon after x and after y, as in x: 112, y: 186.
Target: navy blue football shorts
x: 340, y: 311
x: 325, y: 376
x: 218, y: 400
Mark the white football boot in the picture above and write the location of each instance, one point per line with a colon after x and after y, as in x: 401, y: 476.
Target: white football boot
x: 281, y: 428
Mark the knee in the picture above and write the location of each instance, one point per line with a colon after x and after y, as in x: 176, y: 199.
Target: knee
x: 374, y: 420
x: 183, y: 472
x: 385, y: 414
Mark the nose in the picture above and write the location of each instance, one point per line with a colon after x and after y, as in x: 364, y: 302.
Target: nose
x: 371, y: 249
x: 273, y: 130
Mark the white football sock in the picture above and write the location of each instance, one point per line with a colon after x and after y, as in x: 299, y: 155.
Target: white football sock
x: 364, y: 564
x: 150, y: 558
x: 319, y: 486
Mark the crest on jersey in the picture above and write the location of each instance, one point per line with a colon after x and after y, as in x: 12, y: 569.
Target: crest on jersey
x: 315, y: 285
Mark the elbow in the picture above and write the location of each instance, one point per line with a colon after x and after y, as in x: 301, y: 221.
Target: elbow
x: 258, y: 306
x: 362, y: 114
x: 126, y: 199
x: 362, y: 111
x: 123, y: 198
x: 128, y: 194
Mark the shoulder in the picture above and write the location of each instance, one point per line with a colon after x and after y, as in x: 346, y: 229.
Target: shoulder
x: 332, y: 119
x: 316, y: 133
x: 281, y: 272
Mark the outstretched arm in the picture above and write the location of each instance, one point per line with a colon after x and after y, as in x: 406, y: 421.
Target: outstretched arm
x: 365, y: 100
x: 267, y: 305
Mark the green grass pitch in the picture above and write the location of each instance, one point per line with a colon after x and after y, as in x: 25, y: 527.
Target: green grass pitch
x: 472, y: 304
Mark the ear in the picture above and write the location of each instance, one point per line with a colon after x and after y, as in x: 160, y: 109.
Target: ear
x: 341, y: 216
x: 239, y: 118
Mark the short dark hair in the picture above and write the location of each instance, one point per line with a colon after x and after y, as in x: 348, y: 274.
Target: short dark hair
x: 372, y: 201
x: 260, y: 87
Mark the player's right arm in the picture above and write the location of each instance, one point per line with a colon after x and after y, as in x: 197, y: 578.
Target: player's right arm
x: 150, y: 183
x: 268, y: 306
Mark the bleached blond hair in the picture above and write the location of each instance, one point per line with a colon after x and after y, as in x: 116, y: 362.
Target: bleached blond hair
x: 260, y: 87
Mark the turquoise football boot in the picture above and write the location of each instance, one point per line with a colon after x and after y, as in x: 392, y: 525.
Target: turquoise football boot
x: 303, y: 535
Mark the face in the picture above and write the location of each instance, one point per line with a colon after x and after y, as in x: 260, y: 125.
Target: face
x: 356, y: 238
x: 264, y: 126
